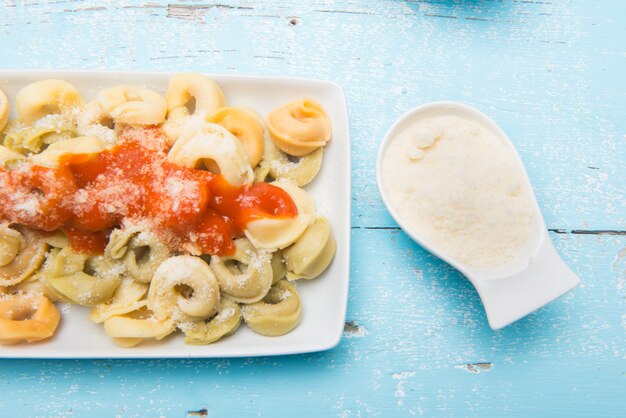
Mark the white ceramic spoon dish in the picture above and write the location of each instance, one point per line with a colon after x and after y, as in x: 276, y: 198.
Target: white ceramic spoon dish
x: 535, y: 277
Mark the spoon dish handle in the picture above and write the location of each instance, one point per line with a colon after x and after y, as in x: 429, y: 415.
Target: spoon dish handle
x: 510, y: 298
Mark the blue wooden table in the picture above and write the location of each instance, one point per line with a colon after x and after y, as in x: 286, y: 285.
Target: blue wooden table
x: 416, y: 341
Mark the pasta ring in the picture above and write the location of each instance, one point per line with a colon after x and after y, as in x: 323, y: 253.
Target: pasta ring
x: 46, y: 97
x: 302, y: 171
x: 142, y: 252
x: 277, y: 314
x: 21, y: 252
x: 67, y: 277
x: 93, y: 120
x: 183, y: 288
x: 247, y: 126
x: 133, y: 105
x: 225, y: 322
x: 299, y: 127
x: 215, y: 148
x: 311, y: 254
x: 26, y: 317
x: 4, y: 110
x: 132, y: 328
x: 33, y: 138
x: 245, y: 276
x: 275, y: 234
x: 188, y: 90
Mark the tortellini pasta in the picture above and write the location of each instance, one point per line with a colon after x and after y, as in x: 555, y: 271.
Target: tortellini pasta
x: 183, y: 289
x: 129, y: 329
x: 82, y: 279
x: 142, y: 286
x: 82, y: 145
x: 26, y: 317
x: 46, y: 97
x: 223, y: 323
x: 133, y: 105
x: 247, y: 126
x: 245, y: 276
x: 278, y: 313
x: 21, y: 253
x: 218, y: 150
x: 275, y: 234
x: 141, y: 251
x: 190, y: 98
x: 309, y: 256
x: 299, y: 127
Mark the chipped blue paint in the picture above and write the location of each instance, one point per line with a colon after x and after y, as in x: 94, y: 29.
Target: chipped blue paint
x: 417, y: 342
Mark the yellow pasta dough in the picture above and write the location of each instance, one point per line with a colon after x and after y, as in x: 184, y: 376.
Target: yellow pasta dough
x: 299, y: 127
x: 311, y: 254
x: 82, y: 279
x: 213, y: 147
x: 191, y: 97
x: 245, y: 276
x: 278, y: 313
x: 183, y: 289
x: 141, y: 251
x: 26, y: 317
x: 50, y: 157
x: 133, y: 105
x: 132, y: 328
x: 225, y: 322
x: 247, y: 126
x: 46, y: 97
x: 274, y: 234
x: 21, y: 253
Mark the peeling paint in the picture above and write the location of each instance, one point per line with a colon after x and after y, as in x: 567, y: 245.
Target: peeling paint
x: 475, y: 368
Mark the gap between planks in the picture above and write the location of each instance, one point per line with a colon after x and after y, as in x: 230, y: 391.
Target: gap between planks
x: 555, y: 230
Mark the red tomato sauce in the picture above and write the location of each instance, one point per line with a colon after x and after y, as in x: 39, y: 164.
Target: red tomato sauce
x: 90, y: 194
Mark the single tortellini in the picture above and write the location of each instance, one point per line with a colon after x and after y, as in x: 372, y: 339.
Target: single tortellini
x: 128, y: 297
x: 21, y: 253
x: 223, y: 323
x: 4, y: 110
x: 33, y: 138
x: 215, y: 148
x: 46, y: 97
x: 311, y: 254
x: 245, y: 276
x: 93, y: 120
x: 183, y: 289
x: 247, y: 126
x: 299, y: 127
x: 191, y: 97
x: 27, y: 317
x: 141, y: 251
x: 130, y: 329
x: 278, y: 233
x: 133, y: 105
x: 300, y: 170
x: 82, y: 278
x: 277, y: 314
x: 51, y: 156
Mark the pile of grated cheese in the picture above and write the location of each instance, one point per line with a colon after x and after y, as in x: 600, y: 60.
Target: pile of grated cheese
x: 461, y: 188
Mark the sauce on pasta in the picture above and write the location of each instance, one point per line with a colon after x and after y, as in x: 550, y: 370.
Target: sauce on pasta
x: 89, y: 194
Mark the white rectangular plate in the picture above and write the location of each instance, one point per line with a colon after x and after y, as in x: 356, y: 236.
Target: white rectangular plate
x: 324, y: 299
